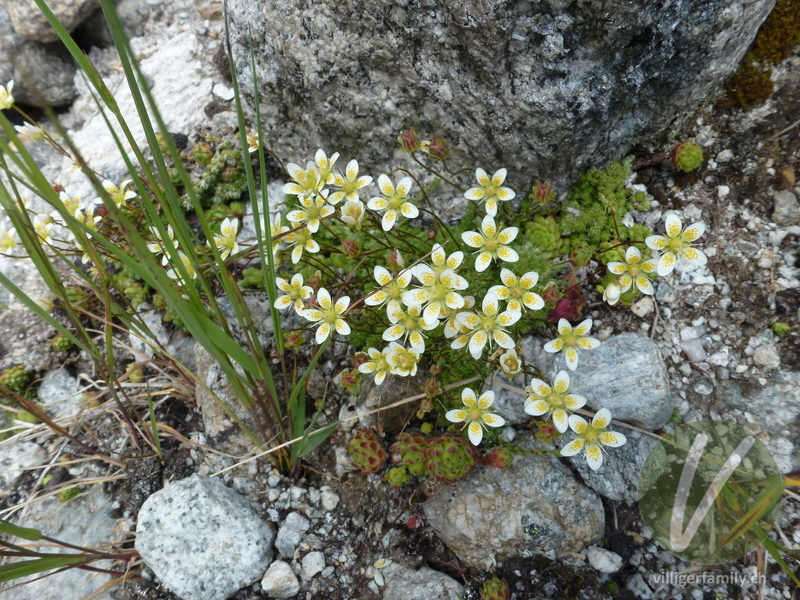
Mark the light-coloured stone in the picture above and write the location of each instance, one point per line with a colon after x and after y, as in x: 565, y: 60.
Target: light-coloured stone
x: 84, y: 521
x: 313, y: 563
x: 767, y: 356
x: 626, y: 375
x: 290, y: 533
x: 404, y: 583
x: 534, y: 507
x: 787, y: 208
x: 15, y: 457
x: 604, y: 560
x: 280, y: 581
x: 28, y: 20
x: 203, y: 540
x: 60, y: 393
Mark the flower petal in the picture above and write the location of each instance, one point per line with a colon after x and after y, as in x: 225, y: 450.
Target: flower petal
x: 561, y: 420
x: 673, y: 225
x: 536, y: 408
x: 456, y: 416
x: 601, y: 419
x: 573, y: 447
x: 493, y: 420
x: 554, y: 345
x: 594, y: 456
x: 475, y: 433
x: 694, y: 231
x: 612, y: 438
x: 486, y: 400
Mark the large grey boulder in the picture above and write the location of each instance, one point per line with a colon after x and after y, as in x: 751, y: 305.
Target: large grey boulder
x: 203, y: 540
x: 534, y: 507
x: 29, y: 21
x: 626, y: 375
x: 43, y: 73
x: 544, y: 88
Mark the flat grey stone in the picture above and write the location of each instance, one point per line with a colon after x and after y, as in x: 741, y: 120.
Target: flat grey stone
x: 203, y: 540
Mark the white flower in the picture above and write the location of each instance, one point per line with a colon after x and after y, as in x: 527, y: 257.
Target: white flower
x: 6, y: 99
x: 353, y: 212
x: 490, y: 190
x: 349, y: 184
x: 33, y: 132
x: 315, y: 208
x: 553, y: 401
x: 7, y: 239
x: 592, y: 438
x: 119, y: 194
x: 42, y: 224
x: 306, y: 183
x: 225, y: 240
x: 476, y: 414
x: 510, y: 363
x: 402, y: 361
x: 394, y: 201
x: 328, y: 316
x: 392, y: 288
x: 440, y: 285
x: 158, y: 246
x: 253, y: 141
x: 491, y: 244
x: 325, y: 167
x: 407, y: 324
x: 174, y: 273
x: 633, y: 271
x: 485, y: 326
x: 518, y: 290
x: 376, y: 364
x: 295, y: 293
x: 569, y: 340
x: 677, y: 245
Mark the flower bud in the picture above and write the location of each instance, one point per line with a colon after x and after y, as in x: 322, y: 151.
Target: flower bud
x: 315, y: 281
x: 350, y: 248
x: 550, y: 293
x: 438, y: 148
x: 612, y: 293
x: 409, y: 141
x: 542, y: 193
x: 395, y: 260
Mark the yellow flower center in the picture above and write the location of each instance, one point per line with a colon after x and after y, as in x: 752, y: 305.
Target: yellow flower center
x: 570, y: 339
x: 474, y: 414
x: 488, y: 324
x: 676, y: 245
x: 330, y: 315
x: 591, y: 436
x: 491, y: 245
x: 349, y: 186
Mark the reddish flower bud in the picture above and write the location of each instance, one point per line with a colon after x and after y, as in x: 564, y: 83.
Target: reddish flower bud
x: 395, y: 260
x: 351, y: 248
x: 550, y: 294
x: 542, y: 192
x: 359, y: 358
x: 409, y: 141
x: 432, y: 233
x: 438, y: 148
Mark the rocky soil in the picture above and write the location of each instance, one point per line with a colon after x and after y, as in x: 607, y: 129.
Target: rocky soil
x: 209, y: 526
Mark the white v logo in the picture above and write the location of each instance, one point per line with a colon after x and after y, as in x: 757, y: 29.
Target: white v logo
x: 680, y: 539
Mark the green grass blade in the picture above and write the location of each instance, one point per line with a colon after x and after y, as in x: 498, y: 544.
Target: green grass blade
x: 24, y: 568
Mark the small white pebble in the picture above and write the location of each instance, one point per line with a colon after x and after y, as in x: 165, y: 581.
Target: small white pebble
x: 723, y: 190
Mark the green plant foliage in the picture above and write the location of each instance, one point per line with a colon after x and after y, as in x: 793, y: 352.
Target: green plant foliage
x: 449, y: 458
x: 16, y: 379
x: 397, y: 477
x: 751, y: 84
x: 597, y: 203
x: 69, y: 494
x: 61, y: 343
x: 687, y: 156
x: 367, y: 451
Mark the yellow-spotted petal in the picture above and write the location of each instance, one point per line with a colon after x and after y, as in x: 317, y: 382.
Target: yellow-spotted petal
x: 483, y: 260
x: 505, y: 194
x: 611, y: 438
x: 468, y: 397
x: 488, y: 227
x: 342, y: 328
x: 486, y: 400
x: 323, y: 332
x: 475, y: 433
x: 389, y: 219
x: 617, y: 268
x: 508, y: 235
x: 324, y: 298
x: 644, y: 285
x: 482, y: 177
x: 507, y: 254
x: 404, y: 186
x: 656, y: 242
x: 533, y: 301
x: 554, y: 345
x: 571, y: 356
x: 574, y: 401
x: 561, y: 382
x: 673, y: 225
x: 378, y: 204
x: 573, y: 447
x: 342, y: 304
x: 694, y: 256
x: 601, y: 419
x: 395, y: 332
x: 456, y: 416
x: 540, y: 388
x: 564, y: 327
x: 583, y: 328
x: 409, y: 211
x: 475, y: 193
x: 476, y: 343
x: 536, y: 408
x: 503, y: 339
x: 694, y: 231
x: 472, y: 238
x: 507, y: 277
x: 560, y: 420
x: 493, y: 420
x: 529, y: 279
x: 594, y: 456
x: 588, y: 343
x: 578, y: 424
x: 491, y: 207
x: 385, y: 185
x: 666, y: 264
